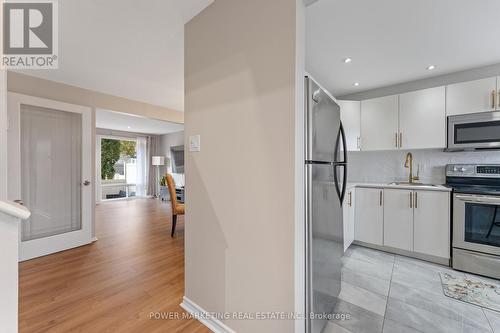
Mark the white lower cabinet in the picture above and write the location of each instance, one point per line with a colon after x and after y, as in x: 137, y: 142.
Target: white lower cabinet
x: 431, y: 224
x: 369, y: 210
x: 349, y: 216
x: 398, y: 219
x: 415, y: 221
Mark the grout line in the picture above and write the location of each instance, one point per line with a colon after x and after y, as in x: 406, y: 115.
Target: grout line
x: 388, y: 292
x: 487, y: 319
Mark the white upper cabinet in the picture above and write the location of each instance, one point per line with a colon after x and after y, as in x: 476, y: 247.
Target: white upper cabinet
x: 422, y: 119
x: 379, y: 123
x: 472, y: 96
x: 350, y: 115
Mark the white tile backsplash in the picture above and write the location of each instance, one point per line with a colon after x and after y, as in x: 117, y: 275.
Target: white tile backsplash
x: 388, y: 166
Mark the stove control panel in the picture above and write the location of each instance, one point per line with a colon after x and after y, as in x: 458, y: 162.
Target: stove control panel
x: 473, y: 170
x: 488, y: 169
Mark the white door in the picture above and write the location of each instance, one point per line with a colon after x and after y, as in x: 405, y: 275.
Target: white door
x: 398, y: 219
x: 49, y: 167
x: 422, y: 119
x: 350, y: 115
x: 472, y: 96
x: 432, y: 223
x: 369, y: 216
x: 379, y: 123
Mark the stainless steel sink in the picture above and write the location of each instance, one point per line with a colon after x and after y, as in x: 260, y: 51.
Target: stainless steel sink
x: 412, y: 184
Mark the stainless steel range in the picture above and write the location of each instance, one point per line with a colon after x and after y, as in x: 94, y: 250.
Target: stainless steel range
x: 476, y: 218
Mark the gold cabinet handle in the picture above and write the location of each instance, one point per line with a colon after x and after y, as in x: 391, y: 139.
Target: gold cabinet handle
x: 400, y: 139
x: 416, y: 199
x: 493, y: 97
x: 411, y: 199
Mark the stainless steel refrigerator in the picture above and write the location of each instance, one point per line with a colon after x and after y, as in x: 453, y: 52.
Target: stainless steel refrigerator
x: 326, y: 177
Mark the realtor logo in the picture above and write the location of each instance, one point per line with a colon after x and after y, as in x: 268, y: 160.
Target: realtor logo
x: 30, y: 34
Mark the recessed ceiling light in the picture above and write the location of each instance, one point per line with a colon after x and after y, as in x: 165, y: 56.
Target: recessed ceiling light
x: 347, y: 60
x: 129, y: 127
x: 431, y: 67
x: 356, y: 84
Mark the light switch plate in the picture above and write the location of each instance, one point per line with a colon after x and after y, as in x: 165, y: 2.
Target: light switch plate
x: 194, y: 143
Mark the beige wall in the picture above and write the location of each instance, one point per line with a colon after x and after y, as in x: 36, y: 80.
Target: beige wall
x: 30, y: 85
x: 3, y: 134
x: 240, y: 77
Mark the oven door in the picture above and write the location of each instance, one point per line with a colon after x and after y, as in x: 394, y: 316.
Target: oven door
x: 476, y: 223
x: 477, y: 130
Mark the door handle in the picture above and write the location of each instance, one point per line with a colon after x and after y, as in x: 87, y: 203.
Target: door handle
x: 350, y: 199
x: 499, y: 99
x: 400, y: 139
x: 416, y: 200
x: 340, y: 191
x: 411, y: 199
x: 380, y: 198
x: 341, y: 136
x: 493, y: 102
x: 20, y: 202
x: 86, y: 183
x: 396, y: 140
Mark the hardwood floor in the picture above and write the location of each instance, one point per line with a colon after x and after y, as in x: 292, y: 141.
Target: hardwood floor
x: 114, y: 284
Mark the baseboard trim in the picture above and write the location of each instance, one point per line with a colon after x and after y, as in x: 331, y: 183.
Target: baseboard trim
x: 420, y: 256
x: 203, y: 316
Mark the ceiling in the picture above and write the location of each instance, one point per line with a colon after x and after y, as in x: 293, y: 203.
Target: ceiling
x: 124, y: 122
x: 394, y: 41
x: 127, y: 48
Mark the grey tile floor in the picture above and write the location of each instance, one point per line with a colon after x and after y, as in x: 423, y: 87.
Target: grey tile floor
x: 394, y: 294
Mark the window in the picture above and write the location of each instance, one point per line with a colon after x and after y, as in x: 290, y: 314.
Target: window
x: 118, y: 168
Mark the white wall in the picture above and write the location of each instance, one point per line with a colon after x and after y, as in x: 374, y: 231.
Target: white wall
x: 8, y: 227
x: 387, y: 166
x: 436, y: 81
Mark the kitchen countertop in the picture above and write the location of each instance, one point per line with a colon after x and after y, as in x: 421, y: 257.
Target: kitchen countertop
x: 400, y: 186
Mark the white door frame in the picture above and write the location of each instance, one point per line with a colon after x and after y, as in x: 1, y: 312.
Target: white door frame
x: 47, y: 245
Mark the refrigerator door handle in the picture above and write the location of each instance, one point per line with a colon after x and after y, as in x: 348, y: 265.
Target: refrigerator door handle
x: 340, y: 192
x: 341, y: 135
x: 343, y: 163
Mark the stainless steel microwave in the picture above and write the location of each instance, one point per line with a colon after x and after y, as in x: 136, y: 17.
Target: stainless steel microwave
x: 474, y: 131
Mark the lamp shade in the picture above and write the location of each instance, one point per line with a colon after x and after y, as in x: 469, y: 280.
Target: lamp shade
x: 158, y: 160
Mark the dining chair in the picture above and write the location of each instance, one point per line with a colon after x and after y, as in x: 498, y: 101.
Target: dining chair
x: 177, y: 208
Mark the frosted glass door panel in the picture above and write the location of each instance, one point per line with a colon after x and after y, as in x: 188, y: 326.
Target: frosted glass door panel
x: 51, y: 159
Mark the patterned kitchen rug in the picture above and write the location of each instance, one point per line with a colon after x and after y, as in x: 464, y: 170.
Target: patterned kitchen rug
x: 470, y: 290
